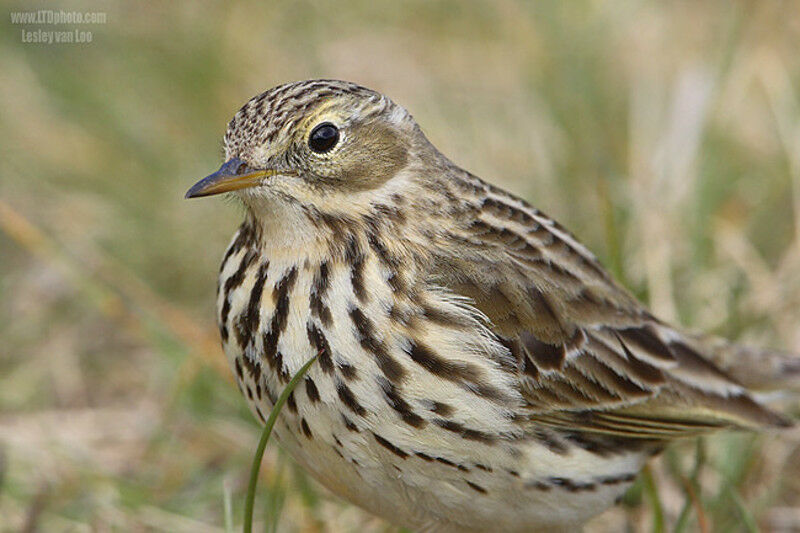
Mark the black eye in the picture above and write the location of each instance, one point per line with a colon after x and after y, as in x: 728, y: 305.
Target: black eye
x: 323, y: 137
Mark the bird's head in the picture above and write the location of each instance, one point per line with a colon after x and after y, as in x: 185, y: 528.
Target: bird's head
x: 314, y: 147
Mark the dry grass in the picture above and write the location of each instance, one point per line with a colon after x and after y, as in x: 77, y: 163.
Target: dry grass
x: 665, y: 134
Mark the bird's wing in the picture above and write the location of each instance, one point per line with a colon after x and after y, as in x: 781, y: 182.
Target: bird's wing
x: 589, y: 355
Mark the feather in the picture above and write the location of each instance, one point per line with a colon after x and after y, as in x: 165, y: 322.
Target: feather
x: 590, y: 357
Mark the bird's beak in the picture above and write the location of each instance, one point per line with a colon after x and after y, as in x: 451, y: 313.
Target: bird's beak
x: 233, y: 175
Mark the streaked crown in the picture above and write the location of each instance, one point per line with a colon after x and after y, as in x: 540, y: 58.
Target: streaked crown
x: 268, y: 116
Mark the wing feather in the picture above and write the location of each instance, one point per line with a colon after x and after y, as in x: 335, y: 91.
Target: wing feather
x: 590, y: 357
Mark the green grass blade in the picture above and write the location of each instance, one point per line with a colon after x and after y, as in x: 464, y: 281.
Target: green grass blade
x: 262, y: 445
x: 748, y: 520
x: 692, y: 482
x: 651, y: 491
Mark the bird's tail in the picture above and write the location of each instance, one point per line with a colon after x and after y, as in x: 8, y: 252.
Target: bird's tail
x: 759, y: 369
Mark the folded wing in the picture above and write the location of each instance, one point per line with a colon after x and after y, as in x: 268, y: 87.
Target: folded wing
x: 590, y: 356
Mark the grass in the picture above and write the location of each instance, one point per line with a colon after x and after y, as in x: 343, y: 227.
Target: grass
x: 262, y: 445
x: 666, y: 135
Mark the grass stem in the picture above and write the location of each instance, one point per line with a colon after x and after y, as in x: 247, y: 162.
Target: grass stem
x: 262, y: 444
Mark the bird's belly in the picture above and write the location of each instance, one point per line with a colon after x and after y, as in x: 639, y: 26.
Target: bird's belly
x: 449, y: 487
x: 415, y: 422
x: 433, y: 496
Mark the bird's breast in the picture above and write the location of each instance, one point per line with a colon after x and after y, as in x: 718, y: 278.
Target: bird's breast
x: 411, y: 396
x: 391, y: 353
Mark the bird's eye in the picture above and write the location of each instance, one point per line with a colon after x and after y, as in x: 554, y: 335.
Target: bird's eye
x: 323, y: 137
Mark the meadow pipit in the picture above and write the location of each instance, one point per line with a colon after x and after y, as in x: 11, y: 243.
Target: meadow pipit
x: 477, y: 368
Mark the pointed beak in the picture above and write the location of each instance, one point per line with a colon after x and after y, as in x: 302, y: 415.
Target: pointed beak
x: 233, y: 175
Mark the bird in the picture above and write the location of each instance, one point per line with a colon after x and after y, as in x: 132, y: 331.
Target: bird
x: 477, y: 369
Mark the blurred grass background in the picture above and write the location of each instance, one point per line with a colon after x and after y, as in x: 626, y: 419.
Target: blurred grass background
x: 665, y: 134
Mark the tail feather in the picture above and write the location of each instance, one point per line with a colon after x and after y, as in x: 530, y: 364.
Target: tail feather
x: 759, y: 369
